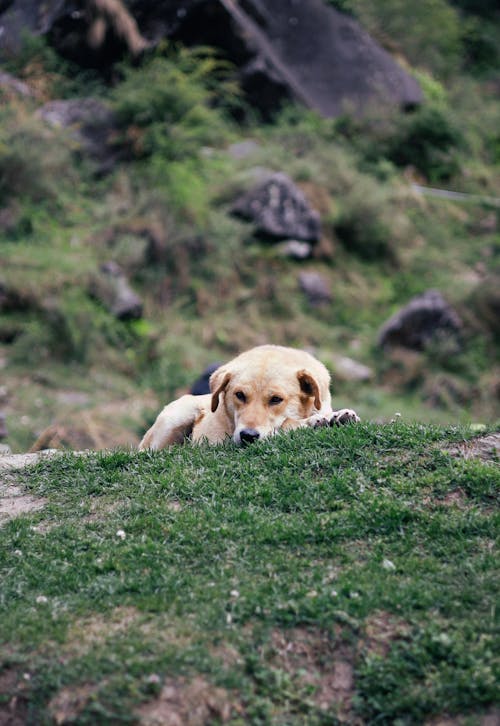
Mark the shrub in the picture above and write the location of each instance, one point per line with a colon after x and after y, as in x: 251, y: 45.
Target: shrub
x: 427, y: 139
x: 167, y: 105
x: 32, y: 160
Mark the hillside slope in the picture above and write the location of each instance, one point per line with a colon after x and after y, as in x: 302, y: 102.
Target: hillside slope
x: 151, y: 191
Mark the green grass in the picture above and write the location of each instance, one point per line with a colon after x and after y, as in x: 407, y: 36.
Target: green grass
x: 258, y: 570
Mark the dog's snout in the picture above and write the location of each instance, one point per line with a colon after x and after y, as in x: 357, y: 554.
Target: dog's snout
x: 248, y: 436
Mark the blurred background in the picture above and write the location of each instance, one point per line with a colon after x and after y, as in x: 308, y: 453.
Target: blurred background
x: 181, y: 180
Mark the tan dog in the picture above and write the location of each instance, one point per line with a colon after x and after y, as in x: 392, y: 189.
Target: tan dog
x: 265, y: 390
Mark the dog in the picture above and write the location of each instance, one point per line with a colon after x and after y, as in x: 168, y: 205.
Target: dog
x: 267, y: 389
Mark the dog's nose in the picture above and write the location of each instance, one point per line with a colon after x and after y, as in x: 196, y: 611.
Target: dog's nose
x: 248, y: 436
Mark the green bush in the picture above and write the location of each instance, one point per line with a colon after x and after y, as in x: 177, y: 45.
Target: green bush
x: 167, y: 105
x: 428, y: 140
x: 33, y: 161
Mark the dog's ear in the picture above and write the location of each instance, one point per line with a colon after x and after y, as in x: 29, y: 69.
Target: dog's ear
x: 309, y: 386
x: 218, y: 382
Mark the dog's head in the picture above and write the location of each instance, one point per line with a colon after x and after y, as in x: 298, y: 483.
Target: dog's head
x: 268, y: 387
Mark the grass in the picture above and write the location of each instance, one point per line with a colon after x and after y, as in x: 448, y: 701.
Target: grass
x: 318, y: 577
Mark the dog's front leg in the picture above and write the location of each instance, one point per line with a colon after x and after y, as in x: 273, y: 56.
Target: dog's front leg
x: 175, y: 423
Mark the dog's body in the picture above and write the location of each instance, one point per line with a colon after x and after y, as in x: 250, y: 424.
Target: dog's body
x: 262, y: 391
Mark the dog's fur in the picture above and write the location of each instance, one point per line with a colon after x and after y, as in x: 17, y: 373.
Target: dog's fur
x: 265, y: 390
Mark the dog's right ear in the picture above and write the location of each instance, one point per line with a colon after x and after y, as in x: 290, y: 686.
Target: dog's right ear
x: 218, y: 382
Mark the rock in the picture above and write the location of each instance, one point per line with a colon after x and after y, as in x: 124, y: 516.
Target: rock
x: 284, y: 49
x: 113, y: 290
x: 427, y: 317
x: 347, y: 369
x: 301, y: 51
x: 5, y: 450
x: 295, y: 249
x: 91, y: 125
x: 279, y: 210
x: 13, y: 85
x: 242, y: 149
x: 315, y: 287
x: 201, y: 385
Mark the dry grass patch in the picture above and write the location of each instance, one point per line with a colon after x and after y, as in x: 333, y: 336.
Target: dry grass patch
x: 95, y: 631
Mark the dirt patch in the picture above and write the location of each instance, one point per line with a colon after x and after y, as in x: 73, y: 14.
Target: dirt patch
x: 314, y: 659
x: 14, y: 502
x: 13, y: 704
x: 69, y: 702
x: 381, y: 630
x: 486, y: 448
x: 184, y: 702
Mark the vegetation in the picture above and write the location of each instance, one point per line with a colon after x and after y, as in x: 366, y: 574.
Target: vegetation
x: 340, y: 575
x: 209, y: 287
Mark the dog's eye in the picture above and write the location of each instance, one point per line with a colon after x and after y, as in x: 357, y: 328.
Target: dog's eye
x: 240, y: 396
x: 274, y: 400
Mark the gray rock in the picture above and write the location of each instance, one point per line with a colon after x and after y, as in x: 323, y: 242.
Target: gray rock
x: 315, y: 287
x: 297, y: 50
x: 295, y: 249
x: 91, y: 124
x: 426, y: 318
x: 279, y: 210
x: 347, y: 369
x: 242, y: 149
x: 10, y: 83
x: 113, y: 290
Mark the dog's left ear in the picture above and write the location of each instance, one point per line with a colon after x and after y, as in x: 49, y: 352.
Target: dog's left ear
x: 218, y: 382
x: 309, y: 386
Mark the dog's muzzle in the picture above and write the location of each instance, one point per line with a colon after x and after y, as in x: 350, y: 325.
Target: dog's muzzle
x: 248, y: 436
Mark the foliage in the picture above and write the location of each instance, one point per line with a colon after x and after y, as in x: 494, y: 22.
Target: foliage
x: 167, y: 104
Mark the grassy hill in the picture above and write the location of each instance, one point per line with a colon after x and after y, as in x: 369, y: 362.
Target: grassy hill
x: 321, y: 577
x: 75, y: 376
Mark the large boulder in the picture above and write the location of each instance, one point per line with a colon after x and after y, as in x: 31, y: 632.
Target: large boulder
x: 425, y: 319
x: 284, y: 49
x: 279, y: 210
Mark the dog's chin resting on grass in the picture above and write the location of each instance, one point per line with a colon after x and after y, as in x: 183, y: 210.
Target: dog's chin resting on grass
x: 260, y: 392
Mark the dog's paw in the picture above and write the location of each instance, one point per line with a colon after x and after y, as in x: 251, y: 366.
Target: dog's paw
x: 317, y: 421
x: 344, y: 416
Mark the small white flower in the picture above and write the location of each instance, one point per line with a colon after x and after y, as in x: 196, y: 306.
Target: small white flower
x: 18, y: 553
x: 334, y: 593
x: 354, y: 595
x: 27, y: 676
x: 153, y: 678
x: 121, y: 534
x: 234, y: 593
x: 229, y: 618
x: 312, y: 593
x: 41, y: 599
x: 388, y: 565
